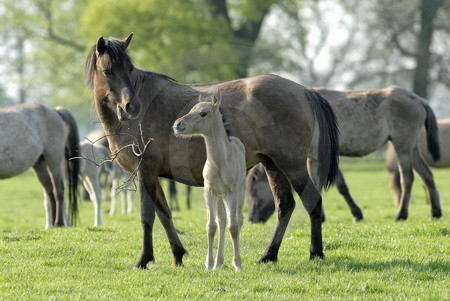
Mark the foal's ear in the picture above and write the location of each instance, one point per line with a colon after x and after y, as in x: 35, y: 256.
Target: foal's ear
x: 127, y: 40
x: 216, y: 100
x: 101, y: 47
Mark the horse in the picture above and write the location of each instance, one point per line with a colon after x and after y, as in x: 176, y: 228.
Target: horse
x: 367, y: 120
x: 92, y: 163
x: 273, y: 117
x: 224, y: 176
x: 116, y: 174
x: 173, y: 199
x: 44, y: 139
x: 444, y: 162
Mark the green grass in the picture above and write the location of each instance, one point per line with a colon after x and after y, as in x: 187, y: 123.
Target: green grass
x: 373, y: 260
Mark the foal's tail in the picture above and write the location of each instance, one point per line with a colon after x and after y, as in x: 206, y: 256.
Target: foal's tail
x: 432, y: 133
x: 328, y: 156
x: 73, y: 166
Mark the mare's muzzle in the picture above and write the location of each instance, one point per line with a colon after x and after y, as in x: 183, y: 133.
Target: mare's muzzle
x: 129, y: 110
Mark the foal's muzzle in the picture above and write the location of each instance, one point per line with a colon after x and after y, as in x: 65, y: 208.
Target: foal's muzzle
x: 179, y: 127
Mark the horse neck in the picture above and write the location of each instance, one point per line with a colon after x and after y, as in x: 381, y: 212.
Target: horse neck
x: 216, y: 140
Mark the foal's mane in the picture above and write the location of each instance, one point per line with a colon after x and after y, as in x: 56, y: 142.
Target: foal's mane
x: 117, y: 51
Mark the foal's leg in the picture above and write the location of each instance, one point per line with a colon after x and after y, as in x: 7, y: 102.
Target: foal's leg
x: 284, y: 203
x: 427, y: 178
x: 235, y: 224
x: 221, y: 219
x: 211, y: 226
x: 343, y: 190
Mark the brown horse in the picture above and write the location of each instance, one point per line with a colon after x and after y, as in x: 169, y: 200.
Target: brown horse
x: 273, y: 117
x: 367, y: 120
x: 35, y: 136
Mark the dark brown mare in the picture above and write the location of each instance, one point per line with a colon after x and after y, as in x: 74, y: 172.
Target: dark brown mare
x: 273, y: 117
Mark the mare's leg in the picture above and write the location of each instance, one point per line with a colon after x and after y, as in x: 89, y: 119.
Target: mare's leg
x: 211, y: 225
x: 284, y: 203
x: 427, y: 178
x: 165, y: 216
x: 147, y: 190
x: 406, y: 180
x: 313, y: 165
x: 343, y: 190
x: 221, y: 219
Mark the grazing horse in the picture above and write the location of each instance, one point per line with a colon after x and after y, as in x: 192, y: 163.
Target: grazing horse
x: 273, y: 117
x: 98, y: 140
x: 444, y: 162
x: 92, y: 159
x: 367, y: 120
x: 223, y: 174
x: 35, y: 136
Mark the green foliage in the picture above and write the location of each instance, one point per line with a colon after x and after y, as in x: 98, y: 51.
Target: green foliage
x: 176, y: 37
x: 377, y: 259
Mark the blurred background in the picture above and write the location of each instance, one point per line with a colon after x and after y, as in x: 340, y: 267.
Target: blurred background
x: 337, y: 44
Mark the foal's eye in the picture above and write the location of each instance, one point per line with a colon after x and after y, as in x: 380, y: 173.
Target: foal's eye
x: 202, y: 114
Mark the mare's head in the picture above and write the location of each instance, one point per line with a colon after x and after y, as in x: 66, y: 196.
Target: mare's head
x: 108, y: 69
x: 199, y: 119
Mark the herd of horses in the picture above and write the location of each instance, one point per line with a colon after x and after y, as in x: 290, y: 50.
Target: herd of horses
x: 292, y: 136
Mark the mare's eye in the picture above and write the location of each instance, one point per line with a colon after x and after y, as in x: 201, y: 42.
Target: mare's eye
x: 202, y: 114
x: 107, y: 72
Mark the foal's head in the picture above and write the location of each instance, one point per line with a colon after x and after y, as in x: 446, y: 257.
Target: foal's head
x: 200, y: 118
x: 107, y: 70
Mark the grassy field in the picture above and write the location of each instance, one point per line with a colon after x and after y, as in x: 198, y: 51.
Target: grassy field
x: 377, y: 259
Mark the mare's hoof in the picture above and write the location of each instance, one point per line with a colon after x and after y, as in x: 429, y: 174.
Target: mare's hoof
x: 437, y: 214
x: 401, y: 217
x: 268, y: 258
x: 358, y: 219
x: 316, y: 255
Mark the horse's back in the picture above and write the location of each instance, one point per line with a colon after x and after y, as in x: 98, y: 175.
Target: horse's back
x: 26, y: 133
x: 368, y: 118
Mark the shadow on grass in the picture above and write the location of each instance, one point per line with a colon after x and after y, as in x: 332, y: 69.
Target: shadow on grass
x: 335, y: 265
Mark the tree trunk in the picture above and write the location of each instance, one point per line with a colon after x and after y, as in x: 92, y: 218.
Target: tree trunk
x: 428, y: 11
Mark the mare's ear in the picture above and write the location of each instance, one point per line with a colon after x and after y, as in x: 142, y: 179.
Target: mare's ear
x: 101, y: 47
x: 127, y: 40
x: 216, y: 100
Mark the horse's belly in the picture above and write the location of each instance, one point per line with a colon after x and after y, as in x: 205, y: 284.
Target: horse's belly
x: 361, y: 141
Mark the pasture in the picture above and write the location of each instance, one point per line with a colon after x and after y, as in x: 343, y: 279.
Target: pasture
x: 376, y: 259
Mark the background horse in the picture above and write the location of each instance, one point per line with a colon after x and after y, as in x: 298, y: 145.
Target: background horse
x: 367, y: 120
x: 444, y: 162
x: 273, y: 117
x: 32, y: 135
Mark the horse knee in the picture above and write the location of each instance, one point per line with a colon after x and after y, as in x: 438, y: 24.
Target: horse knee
x: 211, y: 227
x: 234, y: 229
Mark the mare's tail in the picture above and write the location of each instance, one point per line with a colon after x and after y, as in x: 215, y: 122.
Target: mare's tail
x: 432, y: 133
x: 73, y: 166
x: 328, y: 156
